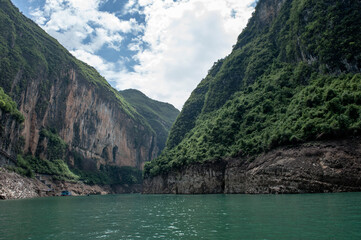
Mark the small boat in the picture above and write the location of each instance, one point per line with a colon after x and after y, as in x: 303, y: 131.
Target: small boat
x: 65, y: 193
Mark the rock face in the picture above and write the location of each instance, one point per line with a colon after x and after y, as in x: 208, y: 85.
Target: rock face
x: 317, y: 167
x: 10, y: 130
x: 94, y: 126
x: 192, y: 179
x: 333, y: 166
x: 56, y: 92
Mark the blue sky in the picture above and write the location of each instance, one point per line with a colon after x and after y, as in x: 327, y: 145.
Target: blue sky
x: 161, y: 47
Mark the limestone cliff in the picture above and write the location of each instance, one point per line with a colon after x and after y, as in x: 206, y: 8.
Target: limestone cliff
x: 11, y: 125
x: 59, y: 94
x: 316, y: 167
x: 96, y: 126
x: 11, y: 143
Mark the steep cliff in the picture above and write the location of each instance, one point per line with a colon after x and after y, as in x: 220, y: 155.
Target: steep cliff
x: 315, y: 167
x: 10, y: 130
x: 70, y: 111
x: 293, y: 77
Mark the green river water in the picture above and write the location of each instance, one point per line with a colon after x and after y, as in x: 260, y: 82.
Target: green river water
x: 136, y: 216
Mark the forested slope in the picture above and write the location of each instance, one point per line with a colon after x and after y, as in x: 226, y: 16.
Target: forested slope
x: 292, y: 77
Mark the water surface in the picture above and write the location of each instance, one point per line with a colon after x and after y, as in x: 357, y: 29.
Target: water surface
x: 306, y: 216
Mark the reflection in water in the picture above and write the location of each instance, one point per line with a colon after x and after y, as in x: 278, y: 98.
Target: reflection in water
x: 309, y: 216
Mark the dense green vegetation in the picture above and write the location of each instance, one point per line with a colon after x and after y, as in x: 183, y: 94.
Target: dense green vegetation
x: 292, y: 77
x: 22, y: 167
x: 56, y: 147
x: 159, y: 115
x: 29, y: 165
x: 9, y: 106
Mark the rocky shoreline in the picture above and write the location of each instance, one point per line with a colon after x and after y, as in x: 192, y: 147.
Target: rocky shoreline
x: 15, y: 186
x: 317, y: 167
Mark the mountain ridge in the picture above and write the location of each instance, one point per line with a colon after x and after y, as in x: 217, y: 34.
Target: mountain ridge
x: 159, y: 115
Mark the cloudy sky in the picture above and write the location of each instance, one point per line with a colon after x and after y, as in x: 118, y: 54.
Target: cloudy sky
x: 161, y: 47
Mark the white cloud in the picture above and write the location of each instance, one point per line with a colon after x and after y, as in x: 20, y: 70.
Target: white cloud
x: 183, y: 38
x: 75, y: 22
x: 93, y: 60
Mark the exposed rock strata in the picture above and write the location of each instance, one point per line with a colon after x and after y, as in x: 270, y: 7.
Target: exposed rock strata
x: 92, y: 125
x: 330, y: 166
x: 203, y: 178
x: 10, y: 143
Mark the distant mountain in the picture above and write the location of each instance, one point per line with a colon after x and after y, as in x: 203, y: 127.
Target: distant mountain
x: 69, y: 111
x: 292, y: 77
x: 159, y: 115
